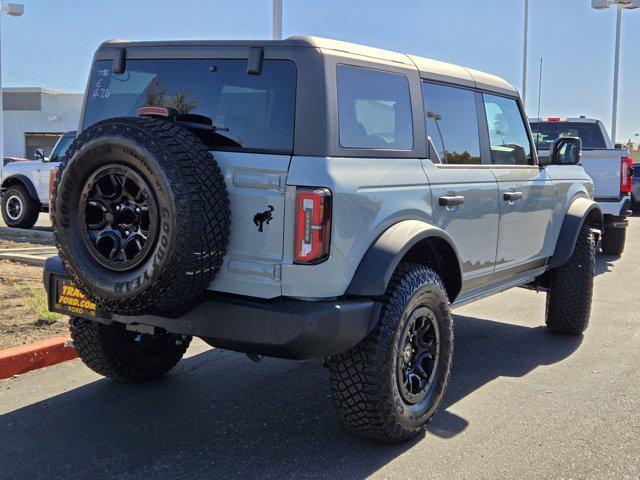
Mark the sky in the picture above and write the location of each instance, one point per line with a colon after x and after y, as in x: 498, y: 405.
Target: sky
x: 53, y: 43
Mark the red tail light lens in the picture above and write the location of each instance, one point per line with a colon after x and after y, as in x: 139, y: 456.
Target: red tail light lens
x: 313, y: 225
x: 626, y: 180
x: 52, y: 179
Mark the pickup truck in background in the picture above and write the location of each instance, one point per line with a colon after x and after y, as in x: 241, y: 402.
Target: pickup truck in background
x: 609, y: 167
x: 24, y: 185
x: 635, y: 193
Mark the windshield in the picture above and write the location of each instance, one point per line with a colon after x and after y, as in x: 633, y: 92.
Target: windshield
x: 61, y: 148
x: 545, y: 133
x: 249, y: 111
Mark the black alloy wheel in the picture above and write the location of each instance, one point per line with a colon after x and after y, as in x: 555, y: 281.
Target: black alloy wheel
x: 120, y: 221
x: 418, y: 355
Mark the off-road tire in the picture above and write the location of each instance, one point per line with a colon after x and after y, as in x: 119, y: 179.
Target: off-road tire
x: 613, y: 239
x: 571, y: 288
x: 192, y: 208
x: 30, y: 208
x: 364, y: 379
x: 112, y: 351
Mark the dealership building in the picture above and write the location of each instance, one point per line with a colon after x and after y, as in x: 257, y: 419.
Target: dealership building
x: 35, y: 117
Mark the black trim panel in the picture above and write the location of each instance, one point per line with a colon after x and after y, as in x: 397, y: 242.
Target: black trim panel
x: 579, y: 211
x: 284, y: 327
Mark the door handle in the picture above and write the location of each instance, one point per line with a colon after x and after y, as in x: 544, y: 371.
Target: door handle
x: 512, y: 196
x: 451, y: 201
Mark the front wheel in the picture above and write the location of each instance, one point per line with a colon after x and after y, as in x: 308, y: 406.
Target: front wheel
x: 125, y: 355
x: 390, y: 385
x: 19, y: 209
x: 571, y: 288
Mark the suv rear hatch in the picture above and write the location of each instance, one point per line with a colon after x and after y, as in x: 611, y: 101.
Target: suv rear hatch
x: 253, y: 142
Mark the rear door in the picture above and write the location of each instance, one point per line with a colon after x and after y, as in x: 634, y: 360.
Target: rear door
x: 527, y: 195
x: 247, y: 122
x: 463, y: 188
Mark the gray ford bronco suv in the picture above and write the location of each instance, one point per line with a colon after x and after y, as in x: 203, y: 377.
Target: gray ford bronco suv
x: 309, y: 198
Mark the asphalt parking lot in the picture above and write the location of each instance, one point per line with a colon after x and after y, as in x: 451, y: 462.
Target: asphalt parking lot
x: 522, y: 403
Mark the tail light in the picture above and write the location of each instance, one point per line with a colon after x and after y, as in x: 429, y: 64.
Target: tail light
x: 313, y: 225
x: 626, y: 180
x: 52, y: 179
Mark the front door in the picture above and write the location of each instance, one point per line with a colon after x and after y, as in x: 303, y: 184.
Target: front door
x: 527, y: 194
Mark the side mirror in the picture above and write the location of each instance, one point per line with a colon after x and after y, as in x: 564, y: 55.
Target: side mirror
x: 566, y: 151
x: 40, y: 155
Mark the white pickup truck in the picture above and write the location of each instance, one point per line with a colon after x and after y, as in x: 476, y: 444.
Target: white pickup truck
x: 24, y: 185
x: 609, y: 167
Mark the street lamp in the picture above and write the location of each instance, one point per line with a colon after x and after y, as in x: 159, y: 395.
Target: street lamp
x: 13, y: 10
x: 619, y: 4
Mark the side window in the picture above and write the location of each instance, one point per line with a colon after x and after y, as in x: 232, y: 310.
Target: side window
x: 452, y: 123
x: 374, y: 109
x: 507, y: 133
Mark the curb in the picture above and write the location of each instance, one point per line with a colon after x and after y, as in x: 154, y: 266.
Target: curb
x: 32, y: 255
x: 24, y: 358
x: 34, y: 235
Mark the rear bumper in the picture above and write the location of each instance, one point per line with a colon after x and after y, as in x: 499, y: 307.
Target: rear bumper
x: 615, y: 206
x: 283, y: 327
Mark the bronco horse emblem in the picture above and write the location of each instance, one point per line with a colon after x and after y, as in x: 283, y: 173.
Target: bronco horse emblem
x: 261, y: 218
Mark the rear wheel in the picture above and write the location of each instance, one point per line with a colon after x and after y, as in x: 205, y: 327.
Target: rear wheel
x: 571, y: 288
x: 390, y: 385
x: 19, y: 209
x: 124, y: 355
x: 613, y: 239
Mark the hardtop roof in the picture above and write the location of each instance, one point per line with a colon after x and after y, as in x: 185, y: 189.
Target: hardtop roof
x: 428, y: 68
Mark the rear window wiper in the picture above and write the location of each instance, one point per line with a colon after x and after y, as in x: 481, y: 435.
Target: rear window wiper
x: 192, y: 120
x: 201, y: 125
x: 200, y: 122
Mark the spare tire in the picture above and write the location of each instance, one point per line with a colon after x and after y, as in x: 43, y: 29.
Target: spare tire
x: 140, y: 215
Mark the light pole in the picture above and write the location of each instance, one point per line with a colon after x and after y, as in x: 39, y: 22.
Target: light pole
x: 524, y: 53
x: 277, y: 20
x: 619, y: 4
x: 15, y: 10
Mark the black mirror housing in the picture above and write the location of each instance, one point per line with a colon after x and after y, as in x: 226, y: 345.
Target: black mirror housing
x: 566, y: 151
x: 39, y: 154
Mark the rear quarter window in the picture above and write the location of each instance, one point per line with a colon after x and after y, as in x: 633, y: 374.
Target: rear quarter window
x: 374, y: 109
x: 251, y: 111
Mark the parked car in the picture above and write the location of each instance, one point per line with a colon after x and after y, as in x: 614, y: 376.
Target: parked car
x: 24, y: 185
x: 609, y: 168
x: 309, y: 198
x: 6, y: 160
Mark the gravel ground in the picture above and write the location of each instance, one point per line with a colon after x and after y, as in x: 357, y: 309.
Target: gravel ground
x: 23, y: 313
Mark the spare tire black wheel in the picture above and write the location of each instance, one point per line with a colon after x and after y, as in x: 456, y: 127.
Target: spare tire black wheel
x: 140, y: 215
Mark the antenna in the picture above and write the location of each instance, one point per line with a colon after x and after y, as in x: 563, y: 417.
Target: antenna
x: 539, y: 97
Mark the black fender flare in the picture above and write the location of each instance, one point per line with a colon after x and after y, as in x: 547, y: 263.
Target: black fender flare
x: 24, y: 180
x: 581, y: 210
x: 381, y: 259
